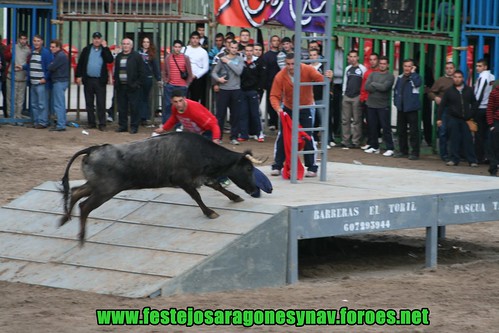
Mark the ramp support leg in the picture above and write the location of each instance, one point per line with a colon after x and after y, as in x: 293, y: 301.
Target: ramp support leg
x: 292, y: 275
x: 431, y: 246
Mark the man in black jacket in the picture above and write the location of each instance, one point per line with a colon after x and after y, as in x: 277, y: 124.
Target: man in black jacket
x: 92, y: 71
x: 128, y: 79
x: 461, y: 106
x: 252, y: 81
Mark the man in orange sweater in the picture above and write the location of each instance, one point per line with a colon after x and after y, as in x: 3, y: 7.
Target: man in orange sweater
x: 282, y: 92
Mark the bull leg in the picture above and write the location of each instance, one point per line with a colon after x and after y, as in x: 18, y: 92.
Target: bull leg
x: 76, y: 194
x: 94, y: 201
x: 232, y: 196
x: 197, y: 197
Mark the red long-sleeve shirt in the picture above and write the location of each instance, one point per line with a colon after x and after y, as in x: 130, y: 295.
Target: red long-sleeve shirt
x: 195, y: 118
x: 492, y: 113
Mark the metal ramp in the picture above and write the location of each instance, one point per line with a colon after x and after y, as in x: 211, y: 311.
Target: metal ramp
x: 144, y: 243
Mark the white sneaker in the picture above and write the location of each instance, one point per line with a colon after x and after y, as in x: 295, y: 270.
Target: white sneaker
x: 365, y: 147
x: 275, y: 172
x: 388, y: 153
x: 310, y: 174
x: 332, y: 144
x: 371, y: 151
x: 329, y: 147
x: 234, y: 142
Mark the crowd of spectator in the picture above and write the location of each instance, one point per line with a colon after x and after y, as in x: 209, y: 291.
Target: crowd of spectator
x: 239, y: 72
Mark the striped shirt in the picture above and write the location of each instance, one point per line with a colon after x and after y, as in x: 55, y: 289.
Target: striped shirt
x: 122, y: 69
x: 35, y: 67
x: 174, y: 72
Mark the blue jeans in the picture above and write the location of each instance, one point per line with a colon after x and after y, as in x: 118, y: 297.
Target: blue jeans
x: 39, y: 104
x: 249, y: 115
x: 376, y: 118
x: 305, y: 120
x: 167, y: 103
x: 59, y: 101
x: 461, y: 140
x: 229, y: 99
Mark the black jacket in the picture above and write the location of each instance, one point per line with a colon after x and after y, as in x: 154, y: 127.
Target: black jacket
x: 253, y: 76
x: 81, y: 68
x: 459, y: 104
x: 135, y: 71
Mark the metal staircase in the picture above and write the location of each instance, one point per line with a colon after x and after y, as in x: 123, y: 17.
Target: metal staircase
x: 322, y: 109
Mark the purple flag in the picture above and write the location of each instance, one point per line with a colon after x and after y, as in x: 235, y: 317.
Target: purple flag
x: 284, y: 12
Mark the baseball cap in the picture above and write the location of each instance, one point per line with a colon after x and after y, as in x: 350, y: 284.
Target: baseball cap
x: 97, y: 35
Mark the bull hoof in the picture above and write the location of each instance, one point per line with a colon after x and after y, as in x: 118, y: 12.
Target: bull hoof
x: 213, y: 215
x: 81, y: 239
x: 63, y: 220
x: 238, y: 199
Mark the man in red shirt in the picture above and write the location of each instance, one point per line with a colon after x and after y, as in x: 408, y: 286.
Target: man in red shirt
x: 193, y: 116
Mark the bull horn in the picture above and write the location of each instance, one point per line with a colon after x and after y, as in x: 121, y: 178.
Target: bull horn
x: 254, y: 160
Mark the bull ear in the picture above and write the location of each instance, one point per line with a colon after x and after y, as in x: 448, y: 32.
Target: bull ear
x: 254, y: 160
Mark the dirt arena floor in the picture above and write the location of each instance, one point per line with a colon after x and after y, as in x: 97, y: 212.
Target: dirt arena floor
x: 378, y: 271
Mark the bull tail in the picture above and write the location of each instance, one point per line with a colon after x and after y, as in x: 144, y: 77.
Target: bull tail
x: 65, y: 183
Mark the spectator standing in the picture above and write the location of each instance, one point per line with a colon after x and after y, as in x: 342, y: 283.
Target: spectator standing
x: 39, y: 76
x: 92, y: 72
x: 203, y: 39
x: 217, y: 47
x: 483, y: 87
x: 128, y: 79
x: 59, y: 76
x: 282, y: 92
x: 436, y: 93
x: 151, y: 71
x: 373, y: 67
x: 244, y: 39
x: 406, y: 99
x: 258, y: 50
x: 227, y: 73
x: 315, y: 55
x: 200, y: 66
x: 270, y: 61
x: 287, y: 47
x: 461, y: 106
x: 20, y: 67
x: 335, y: 115
x: 193, y: 116
x: 379, y: 86
x: 177, y: 75
x: 351, y: 113
x: 252, y: 80
x: 492, y: 116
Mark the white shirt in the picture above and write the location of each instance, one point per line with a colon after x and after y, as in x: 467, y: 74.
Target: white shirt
x: 199, y: 60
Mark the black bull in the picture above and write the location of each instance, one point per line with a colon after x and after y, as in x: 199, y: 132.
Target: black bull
x: 184, y: 160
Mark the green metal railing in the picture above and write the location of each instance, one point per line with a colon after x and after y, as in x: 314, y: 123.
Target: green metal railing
x: 423, y: 16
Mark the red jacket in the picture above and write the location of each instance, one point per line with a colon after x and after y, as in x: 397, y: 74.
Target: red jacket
x: 195, y: 118
x: 492, y: 113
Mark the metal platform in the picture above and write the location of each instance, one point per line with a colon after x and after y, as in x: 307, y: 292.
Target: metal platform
x: 157, y: 242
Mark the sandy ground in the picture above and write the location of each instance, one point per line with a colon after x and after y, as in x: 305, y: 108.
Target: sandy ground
x: 379, y: 271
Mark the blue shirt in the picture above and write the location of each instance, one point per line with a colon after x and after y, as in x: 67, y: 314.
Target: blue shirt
x: 95, y: 62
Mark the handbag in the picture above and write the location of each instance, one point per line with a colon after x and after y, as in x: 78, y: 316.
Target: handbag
x: 472, y: 125
x: 183, y: 75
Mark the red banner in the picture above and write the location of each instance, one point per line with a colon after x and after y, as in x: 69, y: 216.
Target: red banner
x: 242, y: 13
